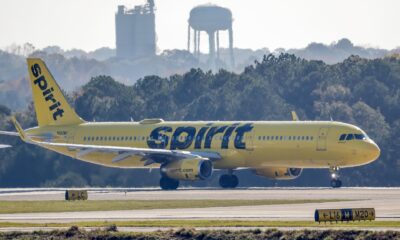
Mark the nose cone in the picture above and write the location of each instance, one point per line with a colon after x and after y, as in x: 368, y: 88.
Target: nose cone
x: 372, y: 151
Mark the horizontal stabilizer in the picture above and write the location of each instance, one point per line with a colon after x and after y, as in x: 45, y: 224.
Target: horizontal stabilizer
x: 19, y: 129
x: 4, y: 146
x: 15, y: 134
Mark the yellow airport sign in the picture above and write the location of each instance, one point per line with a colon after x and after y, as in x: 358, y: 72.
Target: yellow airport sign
x: 76, y: 195
x: 348, y: 214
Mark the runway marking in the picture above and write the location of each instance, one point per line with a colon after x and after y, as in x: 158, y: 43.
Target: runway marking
x: 11, y: 207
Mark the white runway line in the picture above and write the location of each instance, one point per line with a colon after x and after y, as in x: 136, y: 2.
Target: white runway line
x: 384, y: 200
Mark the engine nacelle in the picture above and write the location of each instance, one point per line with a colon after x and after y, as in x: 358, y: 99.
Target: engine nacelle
x: 188, y: 169
x: 279, y: 173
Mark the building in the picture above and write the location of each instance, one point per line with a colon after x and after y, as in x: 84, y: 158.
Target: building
x: 136, y: 31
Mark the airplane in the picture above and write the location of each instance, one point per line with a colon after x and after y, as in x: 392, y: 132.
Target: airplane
x: 190, y: 151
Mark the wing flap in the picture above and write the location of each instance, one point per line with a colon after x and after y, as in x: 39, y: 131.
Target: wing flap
x: 149, y: 156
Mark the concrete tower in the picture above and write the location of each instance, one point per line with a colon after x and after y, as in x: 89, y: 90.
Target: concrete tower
x: 211, y: 19
x: 136, y: 31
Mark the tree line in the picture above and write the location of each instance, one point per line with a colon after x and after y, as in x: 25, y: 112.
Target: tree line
x: 357, y: 91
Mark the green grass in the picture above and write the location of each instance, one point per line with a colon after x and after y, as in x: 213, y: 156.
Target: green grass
x: 7, y: 207
x: 208, y: 223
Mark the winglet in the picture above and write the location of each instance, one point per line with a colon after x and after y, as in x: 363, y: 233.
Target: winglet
x: 20, y: 131
x: 294, y: 116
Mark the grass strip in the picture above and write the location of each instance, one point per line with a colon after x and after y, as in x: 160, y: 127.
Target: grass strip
x: 208, y: 223
x: 8, y: 207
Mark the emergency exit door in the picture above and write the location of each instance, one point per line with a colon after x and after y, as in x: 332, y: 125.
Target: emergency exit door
x: 322, y: 139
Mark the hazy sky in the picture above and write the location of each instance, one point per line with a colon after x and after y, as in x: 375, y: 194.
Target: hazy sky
x: 89, y: 24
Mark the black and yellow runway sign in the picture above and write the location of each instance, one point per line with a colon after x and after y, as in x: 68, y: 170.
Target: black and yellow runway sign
x: 348, y: 214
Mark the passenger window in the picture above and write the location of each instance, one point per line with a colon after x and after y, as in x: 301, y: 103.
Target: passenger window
x: 298, y: 138
x: 307, y: 138
x: 342, y: 137
x: 281, y: 138
x: 349, y: 137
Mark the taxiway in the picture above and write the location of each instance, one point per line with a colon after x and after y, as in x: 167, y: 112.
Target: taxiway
x: 384, y: 200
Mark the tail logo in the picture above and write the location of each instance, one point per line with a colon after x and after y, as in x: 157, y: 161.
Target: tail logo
x: 47, y: 92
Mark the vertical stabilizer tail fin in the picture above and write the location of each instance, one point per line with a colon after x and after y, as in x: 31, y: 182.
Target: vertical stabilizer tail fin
x: 294, y: 116
x: 51, y: 106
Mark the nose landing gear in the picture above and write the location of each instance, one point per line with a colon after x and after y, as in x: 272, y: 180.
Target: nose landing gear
x: 335, y: 181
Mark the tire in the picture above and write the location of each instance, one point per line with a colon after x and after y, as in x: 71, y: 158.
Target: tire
x: 228, y: 181
x: 336, y: 183
x: 234, y: 181
x: 167, y: 183
x: 224, y: 181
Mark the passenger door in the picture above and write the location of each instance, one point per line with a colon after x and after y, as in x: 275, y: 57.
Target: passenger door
x: 322, y: 139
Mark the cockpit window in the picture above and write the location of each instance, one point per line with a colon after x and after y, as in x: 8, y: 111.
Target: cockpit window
x: 360, y: 136
x: 353, y: 136
x: 349, y: 137
x: 342, y: 137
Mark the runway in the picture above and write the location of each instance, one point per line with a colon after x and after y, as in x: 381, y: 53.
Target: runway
x: 384, y: 200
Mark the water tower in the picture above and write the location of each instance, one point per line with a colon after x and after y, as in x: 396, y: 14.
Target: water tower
x: 211, y: 19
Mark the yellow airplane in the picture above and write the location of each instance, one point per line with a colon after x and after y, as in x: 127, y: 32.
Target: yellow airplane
x: 192, y: 150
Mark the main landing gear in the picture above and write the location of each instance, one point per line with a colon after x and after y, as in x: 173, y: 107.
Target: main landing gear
x: 167, y: 183
x: 335, y: 181
x: 229, y: 180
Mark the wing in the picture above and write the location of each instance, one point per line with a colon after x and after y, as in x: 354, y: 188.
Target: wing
x: 149, y: 156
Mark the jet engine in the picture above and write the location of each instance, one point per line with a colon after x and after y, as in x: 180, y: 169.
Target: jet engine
x: 279, y: 173
x: 188, y: 169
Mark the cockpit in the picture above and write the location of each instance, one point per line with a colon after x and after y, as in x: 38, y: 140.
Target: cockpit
x: 353, y: 136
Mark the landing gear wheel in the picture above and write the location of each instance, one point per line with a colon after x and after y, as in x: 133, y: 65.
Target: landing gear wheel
x: 167, y: 183
x: 228, y: 181
x: 336, y: 183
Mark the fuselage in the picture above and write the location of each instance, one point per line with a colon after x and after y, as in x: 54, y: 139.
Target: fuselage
x: 257, y: 144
